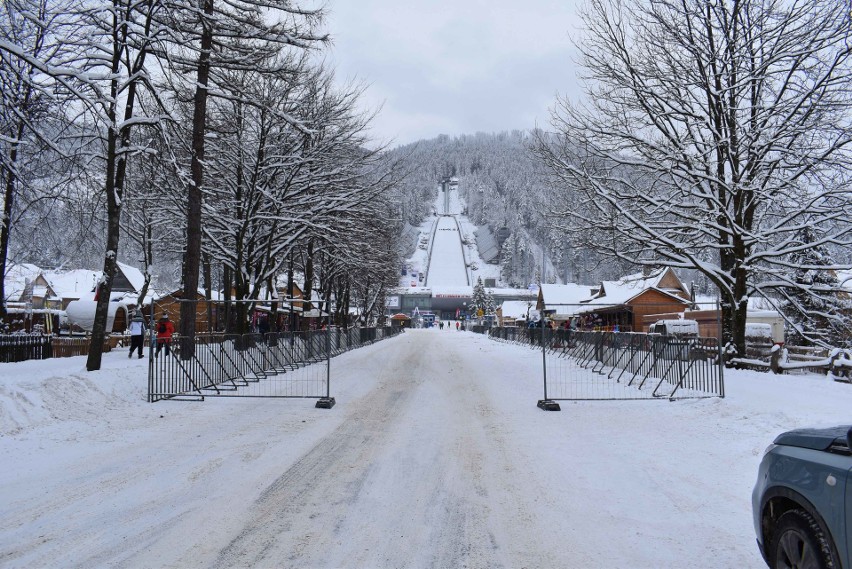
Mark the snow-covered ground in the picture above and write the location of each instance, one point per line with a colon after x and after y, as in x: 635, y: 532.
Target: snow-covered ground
x: 435, y: 456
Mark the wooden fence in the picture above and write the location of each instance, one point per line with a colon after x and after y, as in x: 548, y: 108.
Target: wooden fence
x: 22, y: 347
x: 836, y: 362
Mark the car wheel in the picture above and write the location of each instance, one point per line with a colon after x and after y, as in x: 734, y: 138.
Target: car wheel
x: 799, y: 543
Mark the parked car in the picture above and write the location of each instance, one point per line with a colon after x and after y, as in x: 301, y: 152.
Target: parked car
x: 802, y: 501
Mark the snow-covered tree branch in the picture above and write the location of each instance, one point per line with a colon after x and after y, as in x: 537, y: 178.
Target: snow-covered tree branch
x: 711, y: 135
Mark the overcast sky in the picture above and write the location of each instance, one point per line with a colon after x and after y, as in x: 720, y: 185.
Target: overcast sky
x: 455, y: 66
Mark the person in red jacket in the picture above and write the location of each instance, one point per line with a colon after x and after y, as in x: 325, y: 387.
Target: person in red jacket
x: 165, y: 329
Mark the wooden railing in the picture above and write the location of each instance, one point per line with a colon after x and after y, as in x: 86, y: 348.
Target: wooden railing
x: 22, y: 347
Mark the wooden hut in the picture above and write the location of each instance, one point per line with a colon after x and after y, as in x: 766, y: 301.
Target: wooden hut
x: 400, y: 320
x: 625, y: 303
x: 207, y: 312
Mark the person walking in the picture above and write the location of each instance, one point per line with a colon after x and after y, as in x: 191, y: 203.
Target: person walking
x: 137, y: 334
x: 165, y: 329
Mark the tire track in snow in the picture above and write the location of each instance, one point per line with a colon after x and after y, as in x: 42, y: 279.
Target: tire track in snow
x: 321, y: 485
x: 419, y: 475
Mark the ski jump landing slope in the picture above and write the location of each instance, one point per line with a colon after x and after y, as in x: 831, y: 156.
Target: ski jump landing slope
x: 447, y: 265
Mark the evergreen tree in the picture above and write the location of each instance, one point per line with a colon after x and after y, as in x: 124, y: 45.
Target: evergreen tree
x: 490, y: 305
x: 507, y: 260
x: 478, y: 302
x: 814, y: 303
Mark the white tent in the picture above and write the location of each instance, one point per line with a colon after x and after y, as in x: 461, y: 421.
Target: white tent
x: 82, y: 313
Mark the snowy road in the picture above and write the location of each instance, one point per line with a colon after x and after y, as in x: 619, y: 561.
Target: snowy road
x: 419, y: 475
x: 435, y: 456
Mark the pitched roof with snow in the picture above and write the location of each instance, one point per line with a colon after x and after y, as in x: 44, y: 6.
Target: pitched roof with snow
x: 517, y: 308
x: 565, y: 300
x: 570, y: 293
x: 133, y: 275
x: 16, y: 278
x: 627, y: 288
x: 68, y: 284
x: 74, y: 283
x: 619, y: 296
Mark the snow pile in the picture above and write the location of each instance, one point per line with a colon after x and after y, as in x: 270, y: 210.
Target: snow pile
x: 39, y: 393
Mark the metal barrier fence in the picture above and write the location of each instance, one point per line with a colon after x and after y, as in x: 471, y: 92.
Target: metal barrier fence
x: 287, y: 364
x: 584, y: 365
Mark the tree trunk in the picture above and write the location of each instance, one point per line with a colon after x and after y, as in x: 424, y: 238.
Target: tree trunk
x: 6, y: 227
x: 345, y: 304
x: 104, y: 287
x: 208, y: 290
x: 242, y: 289
x: 148, y: 251
x: 733, y: 293
x: 226, y: 287
x: 366, y: 310
x: 290, y: 292
x: 273, y: 313
x: 309, y: 280
x: 116, y: 172
x: 192, y: 259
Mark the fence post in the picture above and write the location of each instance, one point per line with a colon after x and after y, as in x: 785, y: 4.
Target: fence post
x: 327, y: 402
x: 545, y: 404
x: 775, y: 360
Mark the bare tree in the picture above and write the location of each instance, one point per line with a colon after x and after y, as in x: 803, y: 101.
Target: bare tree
x: 290, y: 174
x: 126, y: 31
x: 713, y: 132
x: 215, y: 38
x: 104, y: 47
x: 28, y: 108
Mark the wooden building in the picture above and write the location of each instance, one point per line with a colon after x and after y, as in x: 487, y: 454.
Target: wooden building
x: 562, y: 302
x: 400, y: 320
x: 208, y: 313
x: 624, y: 304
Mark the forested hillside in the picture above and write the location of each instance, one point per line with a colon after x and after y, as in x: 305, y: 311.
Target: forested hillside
x: 504, y: 185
